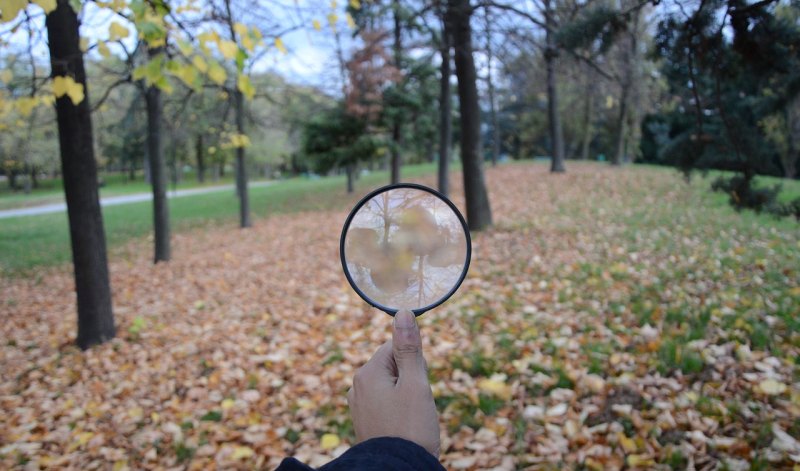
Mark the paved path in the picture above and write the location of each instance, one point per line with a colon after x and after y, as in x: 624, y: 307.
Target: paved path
x: 123, y: 199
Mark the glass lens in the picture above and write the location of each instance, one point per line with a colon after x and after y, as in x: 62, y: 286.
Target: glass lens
x: 405, y: 248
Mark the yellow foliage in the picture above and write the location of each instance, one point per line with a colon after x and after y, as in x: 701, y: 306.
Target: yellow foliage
x: 279, y: 44
x: 330, y: 441
x: 350, y: 22
x: 240, y: 29
x: 83, y: 44
x: 496, y: 386
x: 246, y: 87
x: 241, y: 452
x: 216, y: 73
x: 200, y: 63
x: 6, y: 75
x: 66, y: 85
x: 228, y: 49
x: 355, y: 4
x: 47, y: 5
x: 117, y: 31
x: 332, y: 19
x: 236, y: 141
x: 9, y: 9
x: 25, y: 105
x: 103, y: 49
x: 316, y: 24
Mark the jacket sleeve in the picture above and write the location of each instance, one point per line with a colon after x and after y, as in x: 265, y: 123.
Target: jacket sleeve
x: 385, y: 453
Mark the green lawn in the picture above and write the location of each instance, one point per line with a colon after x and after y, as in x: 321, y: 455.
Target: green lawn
x: 27, y: 242
x: 51, y: 191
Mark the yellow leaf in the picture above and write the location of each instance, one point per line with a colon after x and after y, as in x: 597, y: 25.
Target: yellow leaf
x: 120, y: 465
x: 333, y: 4
x: 84, y: 437
x: 771, y: 387
x: 117, y: 31
x: 185, y: 47
x: 350, y: 22
x: 11, y: 8
x: 248, y: 43
x: 240, y: 29
x: 47, y: 5
x: 67, y: 86
x: 330, y: 441
x: 217, y: 73
x: 83, y: 44
x: 25, y: 105
x: 279, y: 44
x: 227, y: 404
x: 332, y: 19
x: 200, y: 63
x: 246, y: 87
x: 496, y: 386
x: 640, y: 461
x: 609, y: 102
x: 355, y: 4
x: 242, y: 452
x: 103, y: 49
x: 316, y: 24
x: 228, y: 49
x: 186, y: 73
x: 627, y: 444
x: 6, y: 76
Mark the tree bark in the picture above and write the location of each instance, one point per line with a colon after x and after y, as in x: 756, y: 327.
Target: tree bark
x: 479, y: 213
x: 241, y: 169
x: 588, y: 110
x: 490, y: 83
x: 445, y: 114
x: 350, y: 170
x: 158, y: 170
x: 201, y: 164
x: 92, y: 287
x: 396, y: 123
x: 554, y: 119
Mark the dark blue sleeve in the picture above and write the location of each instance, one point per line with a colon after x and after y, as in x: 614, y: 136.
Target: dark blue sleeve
x: 385, y: 453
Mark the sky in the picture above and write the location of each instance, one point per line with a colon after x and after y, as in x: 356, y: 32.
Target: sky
x: 310, y: 58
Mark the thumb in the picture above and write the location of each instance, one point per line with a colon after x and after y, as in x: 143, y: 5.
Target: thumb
x: 407, y: 345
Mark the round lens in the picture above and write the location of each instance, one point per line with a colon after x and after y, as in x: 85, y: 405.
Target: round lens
x: 405, y: 247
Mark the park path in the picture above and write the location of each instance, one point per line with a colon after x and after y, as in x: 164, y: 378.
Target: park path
x: 117, y: 200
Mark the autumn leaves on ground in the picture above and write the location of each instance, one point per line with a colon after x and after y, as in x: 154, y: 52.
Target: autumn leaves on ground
x: 611, y: 318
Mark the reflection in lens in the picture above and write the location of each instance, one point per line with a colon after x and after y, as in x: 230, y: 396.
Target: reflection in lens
x: 405, y: 248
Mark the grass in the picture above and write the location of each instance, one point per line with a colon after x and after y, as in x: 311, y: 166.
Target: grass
x: 28, y: 242
x: 52, y: 190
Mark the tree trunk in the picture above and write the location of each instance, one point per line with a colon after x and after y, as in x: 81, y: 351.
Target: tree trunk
x: 588, y: 110
x: 479, y: 213
x: 490, y: 83
x: 241, y: 169
x: 95, y: 316
x: 34, y: 178
x: 158, y: 170
x: 396, y: 122
x: 554, y: 120
x: 201, y: 164
x: 619, y: 154
x: 445, y: 114
x: 350, y: 170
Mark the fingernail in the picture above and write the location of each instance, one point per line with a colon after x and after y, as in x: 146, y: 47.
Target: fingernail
x: 404, y: 319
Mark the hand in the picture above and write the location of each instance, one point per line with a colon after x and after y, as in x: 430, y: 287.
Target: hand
x: 391, y: 396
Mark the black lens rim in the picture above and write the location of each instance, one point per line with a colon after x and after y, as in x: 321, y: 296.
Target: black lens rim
x: 362, y: 202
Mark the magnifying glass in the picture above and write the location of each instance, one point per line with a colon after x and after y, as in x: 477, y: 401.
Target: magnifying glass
x: 405, y: 246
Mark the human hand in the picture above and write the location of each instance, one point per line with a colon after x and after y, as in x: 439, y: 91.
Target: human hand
x: 391, y: 396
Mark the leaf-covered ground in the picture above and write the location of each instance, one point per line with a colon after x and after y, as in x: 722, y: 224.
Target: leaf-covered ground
x: 612, y: 318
